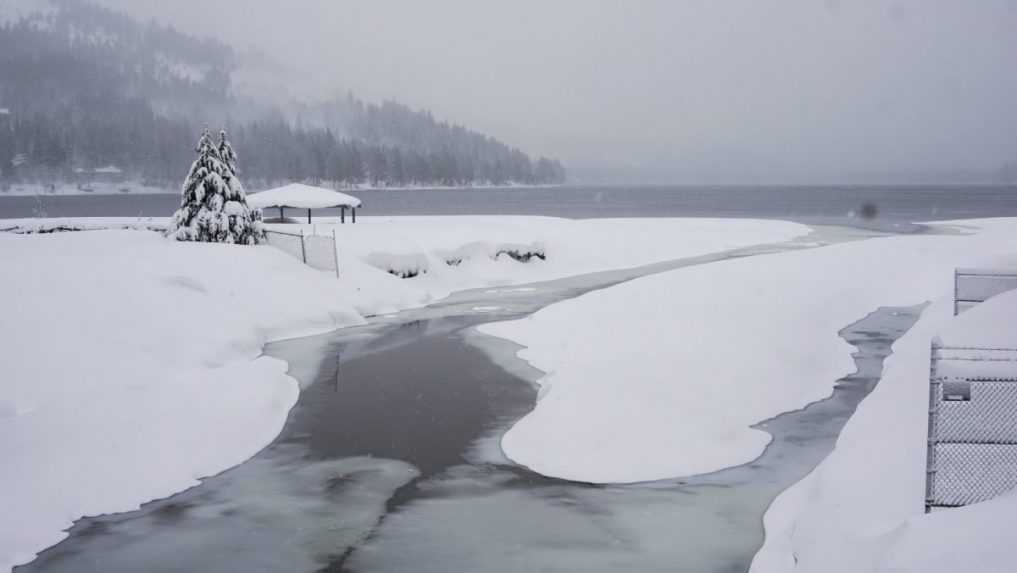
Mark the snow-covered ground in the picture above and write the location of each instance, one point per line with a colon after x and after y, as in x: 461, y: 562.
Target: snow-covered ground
x: 98, y: 188
x: 450, y: 253
x: 132, y: 363
x: 137, y: 187
x: 131, y: 368
x: 455, y: 253
x: 663, y: 376
x: 861, y: 510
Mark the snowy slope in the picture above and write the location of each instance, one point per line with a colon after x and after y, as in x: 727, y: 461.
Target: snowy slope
x: 131, y: 362
x: 664, y: 376
x: 861, y: 510
x: 131, y: 368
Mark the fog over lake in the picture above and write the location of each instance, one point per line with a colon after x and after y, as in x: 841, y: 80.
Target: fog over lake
x: 690, y: 91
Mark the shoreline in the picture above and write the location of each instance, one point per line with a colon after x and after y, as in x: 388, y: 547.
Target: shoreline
x: 896, y: 211
x: 274, y: 460
x: 67, y: 189
x: 757, y: 229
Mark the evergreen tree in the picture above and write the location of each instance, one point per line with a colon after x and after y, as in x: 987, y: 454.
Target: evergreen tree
x: 356, y: 165
x: 214, y: 207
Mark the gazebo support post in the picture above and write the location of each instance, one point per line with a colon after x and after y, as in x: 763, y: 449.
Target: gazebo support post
x: 342, y: 215
x: 282, y: 215
x: 353, y: 211
x: 308, y: 216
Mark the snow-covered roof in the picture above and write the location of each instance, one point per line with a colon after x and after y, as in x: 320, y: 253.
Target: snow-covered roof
x: 300, y: 196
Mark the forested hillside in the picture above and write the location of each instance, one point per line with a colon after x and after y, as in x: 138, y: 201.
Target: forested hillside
x: 83, y: 87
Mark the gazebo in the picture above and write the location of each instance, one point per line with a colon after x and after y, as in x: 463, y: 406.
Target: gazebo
x: 300, y: 196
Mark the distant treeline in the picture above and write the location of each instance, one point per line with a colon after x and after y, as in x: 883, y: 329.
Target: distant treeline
x: 84, y: 87
x: 273, y: 150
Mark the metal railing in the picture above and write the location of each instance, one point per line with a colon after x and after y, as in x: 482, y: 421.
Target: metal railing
x: 972, y: 426
x: 974, y: 286
x: 316, y: 251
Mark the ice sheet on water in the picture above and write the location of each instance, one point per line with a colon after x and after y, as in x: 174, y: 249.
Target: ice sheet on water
x: 510, y: 290
x: 274, y: 513
x: 496, y: 520
x: 304, y: 356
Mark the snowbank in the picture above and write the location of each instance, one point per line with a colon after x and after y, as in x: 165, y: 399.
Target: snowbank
x: 132, y: 363
x: 68, y: 224
x: 454, y: 253
x: 131, y: 368
x: 862, y: 509
x: 138, y: 187
x: 975, y: 538
x: 442, y: 254
x: 663, y: 376
x: 94, y: 188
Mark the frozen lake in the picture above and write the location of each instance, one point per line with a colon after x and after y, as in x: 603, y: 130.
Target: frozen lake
x: 389, y: 462
x: 881, y: 206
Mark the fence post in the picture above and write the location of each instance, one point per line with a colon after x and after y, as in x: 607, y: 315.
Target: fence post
x: 303, y: 249
x: 956, y: 290
x: 335, y: 252
x: 930, y: 449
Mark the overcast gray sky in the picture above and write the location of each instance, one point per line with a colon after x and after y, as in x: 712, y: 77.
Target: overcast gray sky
x: 698, y: 90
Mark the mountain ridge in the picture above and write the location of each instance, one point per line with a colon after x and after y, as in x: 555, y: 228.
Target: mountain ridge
x: 86, y: 86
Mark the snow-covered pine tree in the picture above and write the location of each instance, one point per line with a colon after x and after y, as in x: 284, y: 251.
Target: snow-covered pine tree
x: 214, y: 208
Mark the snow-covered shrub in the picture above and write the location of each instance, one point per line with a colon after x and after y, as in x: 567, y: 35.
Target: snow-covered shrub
x: 521, y: 253
x: 464, y: 253
x: 214, y: 206
x: 518, y: 252
x: 402, y: 265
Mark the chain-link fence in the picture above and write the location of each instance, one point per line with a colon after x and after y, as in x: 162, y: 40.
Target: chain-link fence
x: 316, y: 251
x: 972, y: 449
x: 974, y: 286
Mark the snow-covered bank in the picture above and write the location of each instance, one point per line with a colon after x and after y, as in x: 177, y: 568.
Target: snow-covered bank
x: 455, y: 253
x: 861, y: 510
x: 443, y: 254
x: 132, y: 362
x: 68, y: 188
x: 43, y: 226
x: 139, y: 188
x: 664, y: 376
x: 131, y: 368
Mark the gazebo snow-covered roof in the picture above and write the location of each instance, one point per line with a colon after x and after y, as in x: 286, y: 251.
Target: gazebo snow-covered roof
x: 300, y: 196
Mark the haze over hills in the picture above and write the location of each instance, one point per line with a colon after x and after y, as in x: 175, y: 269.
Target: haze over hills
x: 908, y: 91
x: 670, y: 91
x: 85, y: 87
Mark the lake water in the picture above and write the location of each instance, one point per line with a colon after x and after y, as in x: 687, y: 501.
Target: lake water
x: 880, y: 206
